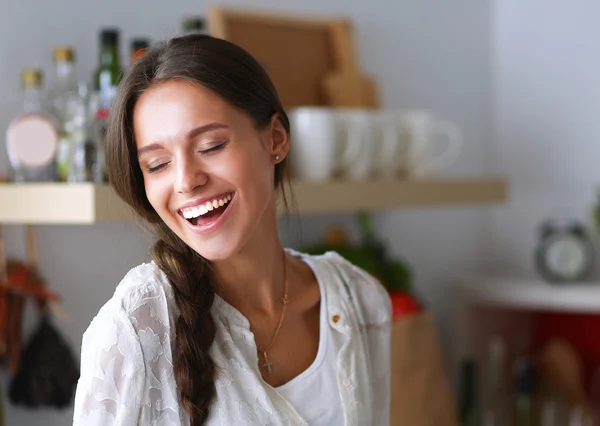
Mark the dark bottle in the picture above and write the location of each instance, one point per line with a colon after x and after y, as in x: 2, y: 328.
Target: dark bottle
x: 194, y: 25
x: 109, y: 70
x: 525, y: 387
x: 139, y: 46
x: 468, y: 407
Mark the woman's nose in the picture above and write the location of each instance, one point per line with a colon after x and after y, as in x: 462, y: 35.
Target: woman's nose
x: 189, y: 176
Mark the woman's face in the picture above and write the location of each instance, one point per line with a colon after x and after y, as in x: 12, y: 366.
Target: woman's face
x: 208, y: 171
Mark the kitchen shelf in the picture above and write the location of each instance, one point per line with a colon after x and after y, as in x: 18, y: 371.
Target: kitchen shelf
x: 531, y: 295
x: 86, y: 203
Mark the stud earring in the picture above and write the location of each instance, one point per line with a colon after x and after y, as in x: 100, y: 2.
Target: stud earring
x: 277, y: 157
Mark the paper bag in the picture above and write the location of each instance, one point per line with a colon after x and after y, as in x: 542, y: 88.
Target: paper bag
x: 420, y: 393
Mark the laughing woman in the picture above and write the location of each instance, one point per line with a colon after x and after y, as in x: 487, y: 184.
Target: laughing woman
x: 224, y: 326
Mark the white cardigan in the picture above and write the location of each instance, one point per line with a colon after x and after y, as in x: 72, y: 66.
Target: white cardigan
x: 127, y: 367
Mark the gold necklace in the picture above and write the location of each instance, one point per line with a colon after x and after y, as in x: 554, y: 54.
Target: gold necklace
x: 268, y: 365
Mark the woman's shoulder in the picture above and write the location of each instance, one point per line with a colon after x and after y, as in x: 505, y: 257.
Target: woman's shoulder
x: 140, y: 294
x: 127, y: 340
x: 369, y: 295
x: 144, y: 280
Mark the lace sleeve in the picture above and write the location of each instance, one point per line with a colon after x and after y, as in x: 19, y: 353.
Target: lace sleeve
x: 110, y: 388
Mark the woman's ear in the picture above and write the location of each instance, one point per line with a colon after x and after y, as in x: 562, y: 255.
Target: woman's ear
x: 279, y: 139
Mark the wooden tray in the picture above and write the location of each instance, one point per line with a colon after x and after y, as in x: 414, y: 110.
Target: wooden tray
x: 296, y: 51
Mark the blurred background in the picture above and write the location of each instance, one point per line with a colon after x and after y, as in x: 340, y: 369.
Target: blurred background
x: 496, y: 247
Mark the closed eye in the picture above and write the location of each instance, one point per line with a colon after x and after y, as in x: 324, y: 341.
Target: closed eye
x: 215, y: 148
x: 152, y: 169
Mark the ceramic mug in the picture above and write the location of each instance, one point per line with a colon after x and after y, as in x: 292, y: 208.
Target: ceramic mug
x: 314, y: 133
x: 433, y: 144
x: 326, y: 142
x: 391, y: 149
x: 356, y: 150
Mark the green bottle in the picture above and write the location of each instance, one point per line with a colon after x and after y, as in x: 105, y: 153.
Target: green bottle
x: 109, y: 71
x: 194, y: 25
x: 468, y: 409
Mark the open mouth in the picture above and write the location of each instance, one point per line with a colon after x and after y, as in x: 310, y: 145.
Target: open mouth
x: 207, y: 212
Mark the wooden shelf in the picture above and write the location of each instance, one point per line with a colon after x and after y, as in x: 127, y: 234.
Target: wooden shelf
x: 59, y: 203
x: 532, y: 295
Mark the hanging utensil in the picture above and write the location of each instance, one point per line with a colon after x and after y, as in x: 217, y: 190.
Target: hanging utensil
x: 48, y: 373
x: 44, y: 302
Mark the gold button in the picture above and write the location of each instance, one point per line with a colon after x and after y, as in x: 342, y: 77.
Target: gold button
x: 336, y: 318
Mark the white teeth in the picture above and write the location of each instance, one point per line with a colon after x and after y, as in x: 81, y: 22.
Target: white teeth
x: 194, y: 212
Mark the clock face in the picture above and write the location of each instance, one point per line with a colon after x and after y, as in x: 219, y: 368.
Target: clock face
x: 565, y: 256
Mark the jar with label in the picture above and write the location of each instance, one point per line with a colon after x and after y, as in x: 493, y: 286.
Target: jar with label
x: 32, y: 136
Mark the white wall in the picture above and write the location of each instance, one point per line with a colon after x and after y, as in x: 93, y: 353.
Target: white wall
x: 426, y: 54
x: 546, y: 126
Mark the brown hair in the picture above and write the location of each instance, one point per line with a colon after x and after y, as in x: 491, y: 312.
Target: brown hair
x: 232, y: 73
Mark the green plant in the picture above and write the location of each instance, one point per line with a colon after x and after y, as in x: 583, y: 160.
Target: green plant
x: 370, y: 254
x: 596, y: 210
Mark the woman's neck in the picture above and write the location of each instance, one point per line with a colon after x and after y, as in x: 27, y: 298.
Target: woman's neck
x: 253, y: 278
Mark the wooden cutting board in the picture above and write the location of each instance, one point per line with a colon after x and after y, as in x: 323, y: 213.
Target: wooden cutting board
x: 348, y: 89
x: 348, y: 86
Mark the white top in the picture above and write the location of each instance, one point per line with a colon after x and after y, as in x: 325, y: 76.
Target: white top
x: 324, y: 407
x: 127, y: 369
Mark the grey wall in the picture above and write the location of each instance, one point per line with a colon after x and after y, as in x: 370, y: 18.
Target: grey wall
x: 426, y: 54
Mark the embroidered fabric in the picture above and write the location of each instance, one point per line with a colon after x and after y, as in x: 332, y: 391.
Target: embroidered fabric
x: 127, y: 362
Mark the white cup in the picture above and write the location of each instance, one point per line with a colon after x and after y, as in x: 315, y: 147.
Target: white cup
x: 326, y: 143
x: 433, y: 144
x: 391, y: 149
x: 315, y: 133
x: 356, y: 151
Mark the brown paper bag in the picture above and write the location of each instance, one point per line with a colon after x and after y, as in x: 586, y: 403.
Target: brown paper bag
x: 420, y: 393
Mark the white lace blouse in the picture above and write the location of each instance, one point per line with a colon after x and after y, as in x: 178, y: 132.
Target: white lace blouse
x: 127, y: 366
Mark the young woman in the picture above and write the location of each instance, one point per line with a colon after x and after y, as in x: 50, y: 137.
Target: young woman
x: 224, y: 326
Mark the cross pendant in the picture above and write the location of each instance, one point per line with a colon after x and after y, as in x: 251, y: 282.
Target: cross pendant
x: 267, y: 365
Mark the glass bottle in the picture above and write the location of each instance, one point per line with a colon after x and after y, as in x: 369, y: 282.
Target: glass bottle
x: 194, y: 25
x: 2, y: 419
x: 97, y: 134
x: 138, y: 48
x: 525, y: 388
x: 32, y: 136
x: 468, y: 409
x: 63, y: 103
x: 495, y: 394
x: 109, y: 70
x: 83, y: 152
x: 65, y: 84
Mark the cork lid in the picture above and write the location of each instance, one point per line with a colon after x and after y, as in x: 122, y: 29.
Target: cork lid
x: 64, y: 54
